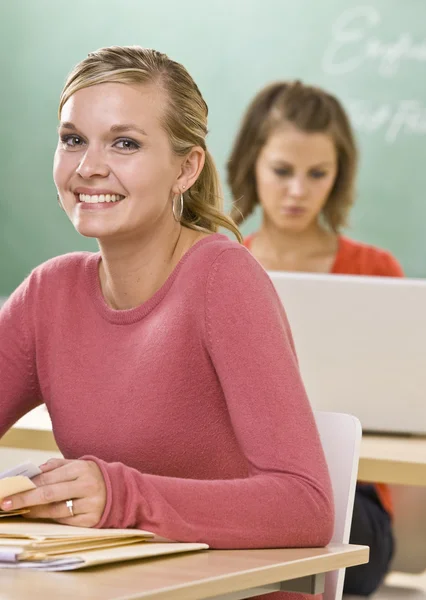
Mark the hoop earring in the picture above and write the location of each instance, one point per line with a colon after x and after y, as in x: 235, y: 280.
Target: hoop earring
x: 177, y: 213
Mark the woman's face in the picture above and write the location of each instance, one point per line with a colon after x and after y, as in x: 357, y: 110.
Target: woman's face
x: 114, y: 167
x: 295, y: 172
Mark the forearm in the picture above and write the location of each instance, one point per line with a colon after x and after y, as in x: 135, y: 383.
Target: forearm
x: 265, y: 510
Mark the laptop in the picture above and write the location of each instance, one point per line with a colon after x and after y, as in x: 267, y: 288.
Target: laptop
x: 361, y: 346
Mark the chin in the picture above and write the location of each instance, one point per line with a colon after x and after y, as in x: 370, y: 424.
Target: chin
x: 91, y: 231
x: 293, y: 226
x: 89, y: 234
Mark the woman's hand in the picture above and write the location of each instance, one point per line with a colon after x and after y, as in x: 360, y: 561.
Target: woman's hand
x: 60, y: 481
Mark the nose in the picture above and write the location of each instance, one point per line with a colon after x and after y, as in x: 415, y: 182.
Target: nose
x: 297, y: 187
x: 92, y: 164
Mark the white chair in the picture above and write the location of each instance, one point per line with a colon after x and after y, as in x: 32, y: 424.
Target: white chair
x: 341, y: 440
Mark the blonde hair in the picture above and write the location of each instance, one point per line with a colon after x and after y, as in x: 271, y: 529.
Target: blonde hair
x: 184, y: 119
x: 310, y: 109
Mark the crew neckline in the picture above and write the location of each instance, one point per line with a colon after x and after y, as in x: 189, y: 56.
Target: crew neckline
x: 132, y: 315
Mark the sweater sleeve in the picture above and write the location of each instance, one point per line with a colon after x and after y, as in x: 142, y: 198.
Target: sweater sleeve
x: 286, y: 499
x: 19, y: 391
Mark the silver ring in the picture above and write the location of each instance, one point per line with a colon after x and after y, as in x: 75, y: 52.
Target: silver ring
x: 70, y: 506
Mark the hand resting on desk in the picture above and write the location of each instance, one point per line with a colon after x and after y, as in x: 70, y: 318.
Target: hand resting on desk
x: 78, y: 480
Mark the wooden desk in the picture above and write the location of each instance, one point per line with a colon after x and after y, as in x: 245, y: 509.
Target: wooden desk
x: 393, y: 459
x: 219, y: 574
x: 224, y: 575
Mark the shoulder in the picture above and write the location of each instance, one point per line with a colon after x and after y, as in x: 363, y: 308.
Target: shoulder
x: 218, y: 265
x: 240, y: 300
x: 59, y: 275
x: 358, y: 258
x: 230, y: 277
x: 217, y: 254
x: 65, y: 263
x: 215, y: 250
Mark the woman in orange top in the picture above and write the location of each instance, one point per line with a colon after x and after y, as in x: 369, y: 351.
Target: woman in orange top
x: 295, y: 155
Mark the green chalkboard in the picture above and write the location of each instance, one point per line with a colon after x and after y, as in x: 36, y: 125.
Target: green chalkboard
x: 372, y: 54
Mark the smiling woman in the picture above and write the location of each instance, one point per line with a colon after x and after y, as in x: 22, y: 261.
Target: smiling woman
x: 140, y: 172
x: 157, y: 89
x: 160, y: 395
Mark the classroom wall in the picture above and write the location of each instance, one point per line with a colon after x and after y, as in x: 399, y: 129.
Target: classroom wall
x: 371, y: 54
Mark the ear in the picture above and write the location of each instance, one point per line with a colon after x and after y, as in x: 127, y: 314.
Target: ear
x: 191, y: 167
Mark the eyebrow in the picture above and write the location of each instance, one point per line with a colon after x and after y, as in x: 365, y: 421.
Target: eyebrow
x: 316, y: 165
x: 325, y: 164
x: 67, y: 125
x: 127, y: 127
x: 114, y: 129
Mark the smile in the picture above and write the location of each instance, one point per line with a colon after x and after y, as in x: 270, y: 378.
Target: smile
x: 99, y: 198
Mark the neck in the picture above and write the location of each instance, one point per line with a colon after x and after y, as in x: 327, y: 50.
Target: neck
x: 131, y: 271
x: 308, y: 241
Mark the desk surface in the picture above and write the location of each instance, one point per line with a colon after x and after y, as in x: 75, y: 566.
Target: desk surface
x: 393, y: 459
x: 197, y: 576
x: 384, y: 458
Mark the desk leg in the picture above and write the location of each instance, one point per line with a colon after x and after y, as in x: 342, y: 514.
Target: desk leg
x: 313, y: 584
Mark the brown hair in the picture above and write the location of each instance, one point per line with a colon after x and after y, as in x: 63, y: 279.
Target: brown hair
x: 310, y: 109
x: 184, y: 120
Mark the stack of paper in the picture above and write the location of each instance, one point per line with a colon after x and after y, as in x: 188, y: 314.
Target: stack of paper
x: 49, y: 546
x: 44, y: 545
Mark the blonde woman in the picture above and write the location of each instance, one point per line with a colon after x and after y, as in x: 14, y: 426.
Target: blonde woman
x: 172, y: 412
x: 295, y: 156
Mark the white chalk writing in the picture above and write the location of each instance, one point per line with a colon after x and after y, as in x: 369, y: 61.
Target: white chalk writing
x: 407, y: 117
x: 355, y: 43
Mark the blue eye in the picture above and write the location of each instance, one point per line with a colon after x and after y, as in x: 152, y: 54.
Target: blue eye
x: 127, y: 144
x: 71, y: 141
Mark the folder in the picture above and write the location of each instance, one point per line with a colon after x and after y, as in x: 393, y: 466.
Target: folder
x: 47, y: 546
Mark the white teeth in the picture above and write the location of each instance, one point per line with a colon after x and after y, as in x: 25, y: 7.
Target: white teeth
x: 100, y: 198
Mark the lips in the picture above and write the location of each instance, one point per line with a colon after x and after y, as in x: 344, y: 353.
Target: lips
x: 95, y: 191
x: 293, y: 210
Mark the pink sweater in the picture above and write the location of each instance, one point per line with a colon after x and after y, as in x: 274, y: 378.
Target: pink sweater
x: 191, y: 404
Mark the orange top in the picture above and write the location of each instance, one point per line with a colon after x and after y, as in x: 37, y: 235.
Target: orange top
x: 356, y: 258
